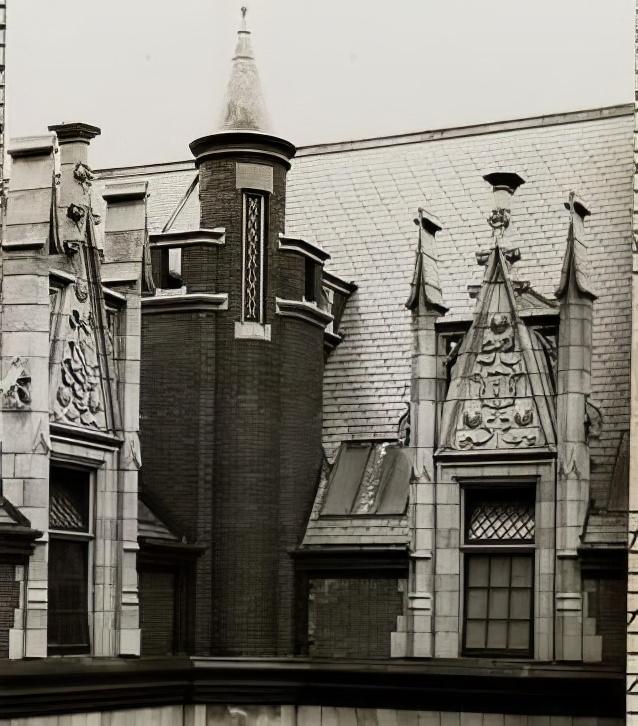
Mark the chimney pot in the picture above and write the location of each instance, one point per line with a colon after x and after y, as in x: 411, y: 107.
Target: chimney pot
x: 75, y: 132
x: 504, y: 184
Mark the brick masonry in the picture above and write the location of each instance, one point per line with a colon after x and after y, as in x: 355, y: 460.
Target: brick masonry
x: 240, y: 400
x: 353, y: 617
x: 9, y: 600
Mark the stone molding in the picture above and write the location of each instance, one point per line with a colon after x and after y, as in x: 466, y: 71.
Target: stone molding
x: 207, y: 237
x: 303, y: 310
x: 189, y: 302
x: 303, y: 247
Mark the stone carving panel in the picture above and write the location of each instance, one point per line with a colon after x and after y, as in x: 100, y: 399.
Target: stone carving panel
x: 79, y: 397
x: 16, y: 385
x: 500, y: 410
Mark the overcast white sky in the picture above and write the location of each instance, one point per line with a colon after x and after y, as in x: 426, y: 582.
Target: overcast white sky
x: 151, y: 73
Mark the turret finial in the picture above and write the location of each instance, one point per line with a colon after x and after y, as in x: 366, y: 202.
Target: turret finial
x: 244, y: 107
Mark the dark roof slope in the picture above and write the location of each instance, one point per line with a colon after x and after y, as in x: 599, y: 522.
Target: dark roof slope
x: 359, y: 199
x: 359, y: 202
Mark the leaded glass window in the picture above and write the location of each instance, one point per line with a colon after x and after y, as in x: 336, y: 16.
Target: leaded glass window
x: 499, y: 585
x: 253, y: 258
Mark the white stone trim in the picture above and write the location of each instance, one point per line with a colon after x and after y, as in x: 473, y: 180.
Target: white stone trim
x: 203, y: 236
x: 252, y: 331
x: 303, y: 310
x: 302, y: 247
x: 185, y: 302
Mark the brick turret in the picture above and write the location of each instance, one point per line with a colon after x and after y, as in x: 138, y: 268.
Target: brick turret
x: 250, y: 373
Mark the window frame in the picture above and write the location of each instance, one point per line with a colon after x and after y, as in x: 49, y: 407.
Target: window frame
x: 88, y: 538
x: 262, y: 255
x: 519, y: 489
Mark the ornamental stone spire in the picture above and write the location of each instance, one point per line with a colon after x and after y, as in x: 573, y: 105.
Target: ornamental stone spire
x: 244, y: 108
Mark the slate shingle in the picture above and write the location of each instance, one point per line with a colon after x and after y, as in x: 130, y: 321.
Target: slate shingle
x: 358, y: 201
x: 359, y: 205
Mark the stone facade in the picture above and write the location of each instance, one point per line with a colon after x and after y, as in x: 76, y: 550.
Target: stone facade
x: 70, y: 361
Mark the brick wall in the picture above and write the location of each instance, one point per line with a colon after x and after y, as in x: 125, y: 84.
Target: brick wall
x: 291, y: 276
x: 9, y: 600
x: 300, y: 454
x: 157, y: 611
x: 607, y: 604
x: 353, y: 617
x: 231, y: 428
x: 177, y: 417
x: 245, y: 506
x: 268, y: 403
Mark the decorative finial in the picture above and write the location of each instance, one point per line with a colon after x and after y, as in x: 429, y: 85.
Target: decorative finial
x: 244, y: 10
x: 504, y: 185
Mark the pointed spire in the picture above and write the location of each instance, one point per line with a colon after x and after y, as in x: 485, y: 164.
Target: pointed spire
x: 244, y: 107
x: 425, y: 280
x: 575, y: 260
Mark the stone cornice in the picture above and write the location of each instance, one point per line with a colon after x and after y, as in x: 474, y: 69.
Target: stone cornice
x: 76, y: 435
x: 118, y: 192
x: 338, y: 284
x: 489, y: 456
x: 303, y: 247
x: 50, y: 686
x: 183, y: 303
x: 243, y: 144
x: 31, y: 146
x: 303, y: 310
x: 213, y: 237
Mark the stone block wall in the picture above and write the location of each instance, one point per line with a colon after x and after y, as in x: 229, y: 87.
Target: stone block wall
x: 59, y: 315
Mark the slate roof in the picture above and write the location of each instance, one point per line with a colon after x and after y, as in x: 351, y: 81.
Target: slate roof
x: 358, y: 200
x: 359, y: 204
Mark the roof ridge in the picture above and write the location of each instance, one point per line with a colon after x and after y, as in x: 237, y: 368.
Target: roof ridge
x: 488, y: 127
x: 596, y: 114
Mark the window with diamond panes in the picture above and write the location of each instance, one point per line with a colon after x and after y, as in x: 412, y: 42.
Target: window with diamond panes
x: 253, y: 258
x: 499, y: 586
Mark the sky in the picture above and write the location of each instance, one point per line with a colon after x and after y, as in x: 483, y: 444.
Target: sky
x: 152, y: 73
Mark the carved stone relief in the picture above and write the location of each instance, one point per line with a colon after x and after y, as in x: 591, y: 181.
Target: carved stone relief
x: 501, y: 388
x: 593, y: 418
x: 79, y: 397
x: 501, y: 411
x: 16, y: 385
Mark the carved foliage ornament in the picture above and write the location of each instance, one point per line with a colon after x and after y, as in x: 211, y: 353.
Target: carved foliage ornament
x: 79, y: 398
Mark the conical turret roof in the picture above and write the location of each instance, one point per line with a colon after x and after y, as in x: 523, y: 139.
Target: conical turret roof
x: 244, y: 107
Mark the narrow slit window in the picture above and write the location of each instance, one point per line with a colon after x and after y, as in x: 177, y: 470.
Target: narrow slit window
x: 253, y: 288
x: 69, y: 542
